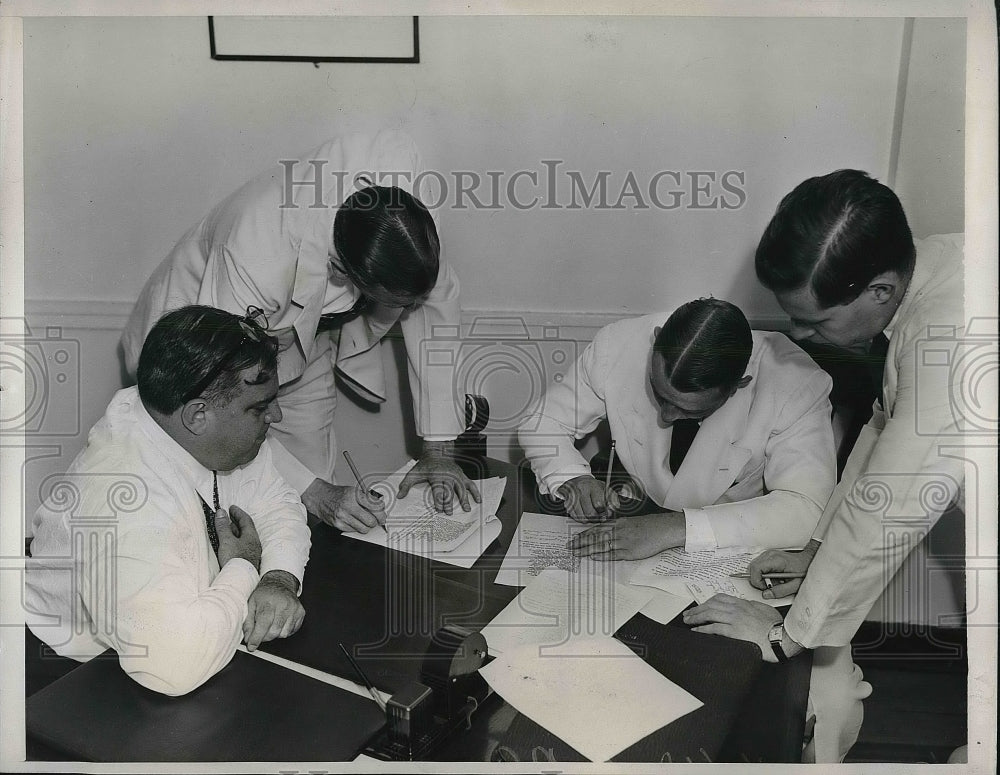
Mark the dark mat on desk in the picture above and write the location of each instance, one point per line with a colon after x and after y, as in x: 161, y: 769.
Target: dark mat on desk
x: 720, y: 672
x: 384, y: 606
x: 252, y: 710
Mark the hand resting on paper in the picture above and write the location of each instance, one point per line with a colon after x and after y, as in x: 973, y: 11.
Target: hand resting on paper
x: 347, y: 508
x: 630, y: 538
x: 777, y: 561
x: 447, y: 481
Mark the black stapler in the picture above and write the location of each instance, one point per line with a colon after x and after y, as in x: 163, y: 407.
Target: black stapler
x: 421, y: 715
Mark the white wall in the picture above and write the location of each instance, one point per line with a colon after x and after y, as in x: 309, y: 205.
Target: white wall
x: 132, y: 133
x: 931, y: 180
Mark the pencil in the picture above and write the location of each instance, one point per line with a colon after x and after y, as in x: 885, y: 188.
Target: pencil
x: 361, y: 484
x: 607, y: 477
x: 368, y: 684
x: 769, y: 575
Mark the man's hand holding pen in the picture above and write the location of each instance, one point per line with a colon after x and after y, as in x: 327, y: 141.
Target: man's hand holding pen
x: 588, y: 500
x: 784, y: 570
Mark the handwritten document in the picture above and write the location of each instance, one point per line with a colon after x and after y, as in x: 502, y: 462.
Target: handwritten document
x: 415, y: 526
x: 557, y: 607
x: 700, y: 575
x: 600, y: 699
x: 540, y: 542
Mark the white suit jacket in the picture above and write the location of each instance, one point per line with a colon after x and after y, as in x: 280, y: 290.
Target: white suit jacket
x: 760, y: 469
x: 268, y: 244
x: 900, y: 476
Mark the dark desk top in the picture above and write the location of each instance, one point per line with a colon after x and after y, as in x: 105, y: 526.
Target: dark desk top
x: 251, y: 710
x: 385, y: 606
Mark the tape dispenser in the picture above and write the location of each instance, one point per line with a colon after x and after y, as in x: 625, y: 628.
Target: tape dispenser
x: 422, y: 714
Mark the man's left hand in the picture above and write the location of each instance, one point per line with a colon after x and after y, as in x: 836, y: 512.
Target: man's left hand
x: 273, y: 610
x: 740, y: 619
x: 446, y: 480
x: 630, y: 538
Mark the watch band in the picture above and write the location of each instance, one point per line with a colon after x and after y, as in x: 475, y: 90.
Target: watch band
x: 774, y: 635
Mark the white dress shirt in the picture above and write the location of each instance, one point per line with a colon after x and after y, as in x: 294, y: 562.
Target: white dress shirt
x: 121, y: 557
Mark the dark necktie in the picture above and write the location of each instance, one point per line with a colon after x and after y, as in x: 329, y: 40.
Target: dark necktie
x: 680, y: 442
x: 875, y: 361
x: 213, y: 537
x: 333, y: 320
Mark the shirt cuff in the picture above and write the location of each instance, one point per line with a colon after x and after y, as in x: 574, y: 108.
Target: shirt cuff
x: 288, y: 563
x: 239, y: 575
x: 550, y: 484
x: 698, y: 533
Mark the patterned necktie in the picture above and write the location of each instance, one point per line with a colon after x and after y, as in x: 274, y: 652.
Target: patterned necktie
x: 875, y: 361
x: 680, y: 442
x: 213, y: 537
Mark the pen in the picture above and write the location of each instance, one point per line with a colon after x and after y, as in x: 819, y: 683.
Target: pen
x: 371, y: 689
x: 357, y: 475
x: 607, y: 477
x: 769, y: 575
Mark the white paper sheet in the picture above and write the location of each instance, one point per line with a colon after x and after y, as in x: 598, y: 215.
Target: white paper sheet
x: 700, y: 575
x: 663, y: 606
x: 414, y: 526
x: 540, y: 542
x: 600, y: 700
x: 558, y: 606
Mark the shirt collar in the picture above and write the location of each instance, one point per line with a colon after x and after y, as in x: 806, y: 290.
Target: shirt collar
x: 199, y: 476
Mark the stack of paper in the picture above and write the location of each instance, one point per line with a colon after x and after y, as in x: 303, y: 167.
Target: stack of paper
x: 600, y: 699
x: 701, y: 574
x: 557, y: 606
x: 540, y: 542
x: 415, y: 526
x: 558, y: 663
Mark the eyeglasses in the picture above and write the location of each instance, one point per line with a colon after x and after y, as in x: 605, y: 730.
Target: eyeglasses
x: 254, y: 327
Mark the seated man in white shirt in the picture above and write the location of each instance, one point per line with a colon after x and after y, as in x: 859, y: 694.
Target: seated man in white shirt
x: 128, y: 554
x: 759, y: 468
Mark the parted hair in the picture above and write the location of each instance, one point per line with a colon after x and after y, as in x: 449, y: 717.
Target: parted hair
x: 705, y: 344
x: 834, y: 234
x: 386, y: 239
x: 184, y: 348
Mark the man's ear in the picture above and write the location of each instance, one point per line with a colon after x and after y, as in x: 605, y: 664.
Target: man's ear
x: 194, y: 416
x: 744, y: 381
x: 884, y: 288
x: 656, y: 331
x: 334, y: 268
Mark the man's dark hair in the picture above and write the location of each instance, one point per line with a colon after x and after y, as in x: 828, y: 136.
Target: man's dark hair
x: 835, y: 233
x: 200, y: 351
x: 387, y: 240
x: 705, y: 345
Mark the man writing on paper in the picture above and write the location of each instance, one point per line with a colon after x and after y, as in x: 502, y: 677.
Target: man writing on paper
x: 839, y: 256
x: 206, y: 544
x: 726, y: 429
x: 334, y: 260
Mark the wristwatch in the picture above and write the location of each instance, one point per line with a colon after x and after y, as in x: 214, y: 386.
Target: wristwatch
x: 774, y: 635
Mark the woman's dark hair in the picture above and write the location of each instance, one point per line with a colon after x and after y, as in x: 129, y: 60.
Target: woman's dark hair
x: 705, y: 344
x: 201, y: 351
x: 835, y: 234
x: 387, y: 240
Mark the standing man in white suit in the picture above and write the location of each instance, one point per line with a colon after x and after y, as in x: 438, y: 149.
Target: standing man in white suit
x: 841, y: 261
x: 334, y: 259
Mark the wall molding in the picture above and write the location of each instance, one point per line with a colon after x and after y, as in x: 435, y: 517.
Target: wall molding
x: 112, y: 315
